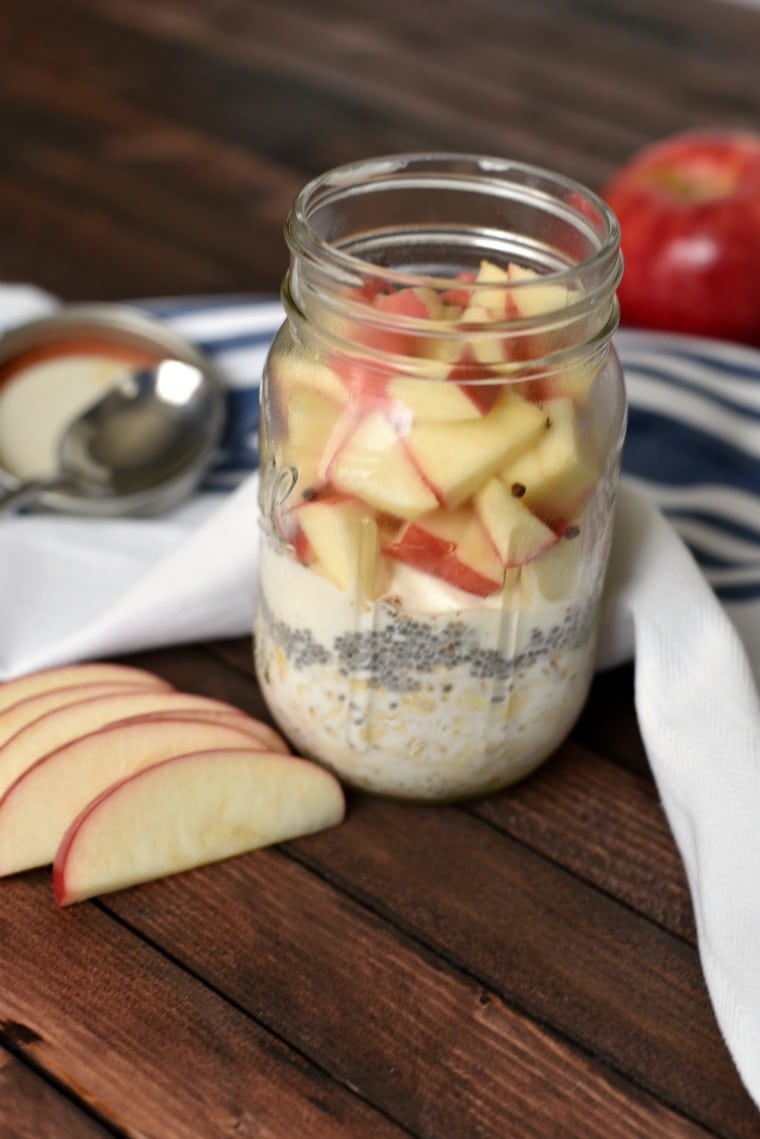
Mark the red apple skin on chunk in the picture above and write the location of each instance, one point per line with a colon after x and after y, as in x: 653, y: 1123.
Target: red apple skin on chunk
x: 368, y: 378
x: 25, y: 712
x: 453, y: 546
x: 65, y: 724
x: 69, y: 676
x: 190, y: 811
x: 38, y: 807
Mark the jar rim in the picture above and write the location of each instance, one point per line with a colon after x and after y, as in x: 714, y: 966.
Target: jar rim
x: 502, y: 178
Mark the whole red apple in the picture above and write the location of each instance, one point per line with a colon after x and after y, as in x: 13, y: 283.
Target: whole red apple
x: 689, y: 212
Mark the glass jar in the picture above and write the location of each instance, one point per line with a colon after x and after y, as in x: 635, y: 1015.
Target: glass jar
x: 442, y: 421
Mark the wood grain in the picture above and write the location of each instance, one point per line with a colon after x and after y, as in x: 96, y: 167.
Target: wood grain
x: 31, y: 1109
x: 148, y: 1047
x: 434, y: 1048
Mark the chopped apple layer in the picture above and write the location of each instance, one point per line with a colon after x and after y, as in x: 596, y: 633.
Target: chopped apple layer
x: 473, y: 468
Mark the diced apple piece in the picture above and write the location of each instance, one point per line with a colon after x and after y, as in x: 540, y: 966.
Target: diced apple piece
x: 17, y: 716
x: 59, y: 727
x: 373, y: 465
x: 343, y: 541
x: 517, y: 535
x: 453, y: 546
x: 38, y: 807
x: 190, y: 811
x: 296, y: 373
x: 558, y: 472
x: 315, y: 428
x: 554, y: 574
x: 67, y: 676
x: 434, y: 401
x: 489, y: 303
x: 455, y: 459
x: 539, y: 297
x: 416, y: 303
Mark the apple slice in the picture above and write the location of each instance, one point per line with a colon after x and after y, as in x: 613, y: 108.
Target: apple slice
x: 558, y: 472
x: 59, y: 727
x: 457, y: 458
x: 189, y: 811
x: 373, y: 466
x: 453, y: 546
x: 256, y: 730
x: 38, y: 807
x: 17, y: 716
x: 66, y: 676
x: 517, y: 535
x: 343, y: 543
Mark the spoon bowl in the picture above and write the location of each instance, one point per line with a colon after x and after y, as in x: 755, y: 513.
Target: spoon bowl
x: 139, y: 449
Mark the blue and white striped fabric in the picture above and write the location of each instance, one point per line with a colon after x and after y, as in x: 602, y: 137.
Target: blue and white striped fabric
x: 693, y: 442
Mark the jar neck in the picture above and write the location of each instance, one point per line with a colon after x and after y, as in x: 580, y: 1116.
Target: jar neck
x: 519, y: 263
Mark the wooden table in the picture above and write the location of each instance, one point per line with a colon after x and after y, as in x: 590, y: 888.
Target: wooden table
x: 521, y: 967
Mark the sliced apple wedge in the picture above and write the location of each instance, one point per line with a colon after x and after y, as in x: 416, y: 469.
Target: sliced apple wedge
x: 38, y: 807
x: 17, y: 716
x: 189, y: 811
x: 67, y: 676
x: 256, y: 730
x: 59, y: 727
x: 457, y: 458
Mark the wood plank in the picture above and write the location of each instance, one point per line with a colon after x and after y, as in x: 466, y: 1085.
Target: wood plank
x: 606, y: 826
x: 145, y: 1045
x: 434, y: 1048
x: 31, y: 1109
x: 562, y: 952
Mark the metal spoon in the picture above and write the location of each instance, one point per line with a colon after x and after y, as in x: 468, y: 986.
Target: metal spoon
x: 139, y: 449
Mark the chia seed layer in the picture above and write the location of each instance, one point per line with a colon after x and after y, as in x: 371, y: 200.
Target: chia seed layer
x: 398, y: 655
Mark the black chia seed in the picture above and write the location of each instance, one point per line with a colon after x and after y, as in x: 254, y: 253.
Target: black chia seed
x: 402, y: 655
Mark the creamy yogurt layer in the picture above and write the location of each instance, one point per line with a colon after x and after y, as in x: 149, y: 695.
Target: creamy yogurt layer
x: 428, y: 692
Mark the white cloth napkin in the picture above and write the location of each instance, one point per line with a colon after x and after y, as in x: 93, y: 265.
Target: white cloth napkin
x: 72, y: 589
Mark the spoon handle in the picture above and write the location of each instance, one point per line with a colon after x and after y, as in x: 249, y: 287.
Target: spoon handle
x: 25, y: 493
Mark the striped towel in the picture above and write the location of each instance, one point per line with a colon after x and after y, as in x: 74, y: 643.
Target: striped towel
x: 693, y: 442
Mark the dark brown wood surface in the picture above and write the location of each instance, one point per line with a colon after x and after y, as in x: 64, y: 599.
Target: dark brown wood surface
x: 521, y: 967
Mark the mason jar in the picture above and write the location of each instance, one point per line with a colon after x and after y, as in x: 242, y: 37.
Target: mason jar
x: 442, y: 422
